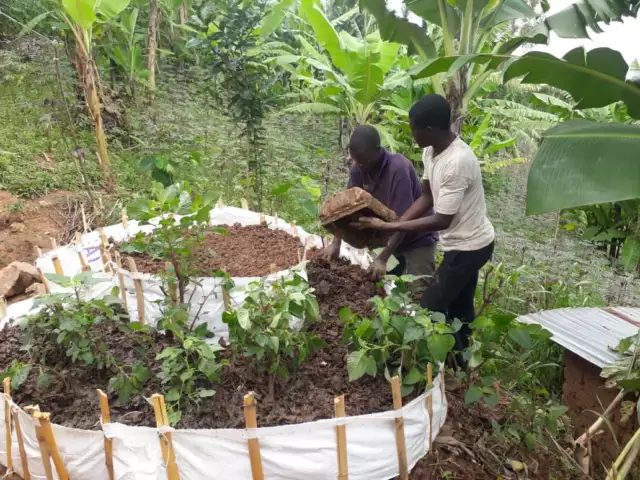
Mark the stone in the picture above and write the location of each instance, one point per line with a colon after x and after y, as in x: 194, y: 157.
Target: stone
x: 17, y: 227
x: 34, y: 289
x: 16, y: 278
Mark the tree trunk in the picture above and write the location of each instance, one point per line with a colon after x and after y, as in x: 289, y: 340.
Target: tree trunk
x: 183, y: 14
x: 88, y: 76
x: 152, y: 45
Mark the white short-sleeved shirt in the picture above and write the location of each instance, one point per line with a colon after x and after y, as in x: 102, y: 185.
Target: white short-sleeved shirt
x: 456, y: 184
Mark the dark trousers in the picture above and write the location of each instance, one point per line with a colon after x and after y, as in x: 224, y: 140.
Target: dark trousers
x: 452, y: 289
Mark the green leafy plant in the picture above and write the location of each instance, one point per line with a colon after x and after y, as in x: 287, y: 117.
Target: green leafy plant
x: 188, y: 369
x: 269, y: 327
x: 402, y: 338
x: 174, y: 240
x: 77, y: 327
x: 18, y: 372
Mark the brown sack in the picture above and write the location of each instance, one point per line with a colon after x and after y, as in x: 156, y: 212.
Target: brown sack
x: 339, y: 210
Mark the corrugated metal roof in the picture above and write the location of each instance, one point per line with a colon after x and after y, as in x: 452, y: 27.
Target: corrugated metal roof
x: 589, y: 332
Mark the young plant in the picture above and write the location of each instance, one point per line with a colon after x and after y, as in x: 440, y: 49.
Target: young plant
x: 188, y: 369
x: 77, y: 327
x: 269, y: 327
x: 175, y: 239
x: 401, y: 339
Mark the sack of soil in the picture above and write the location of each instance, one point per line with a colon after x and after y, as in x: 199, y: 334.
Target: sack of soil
x: 339, y: 210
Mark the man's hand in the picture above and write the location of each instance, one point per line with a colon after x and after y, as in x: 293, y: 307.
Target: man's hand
x: 377, y: 269
x: 331, y: 251
x: 369, y: 222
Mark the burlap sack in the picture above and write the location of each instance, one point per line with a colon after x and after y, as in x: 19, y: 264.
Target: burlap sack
x: 338, y: 211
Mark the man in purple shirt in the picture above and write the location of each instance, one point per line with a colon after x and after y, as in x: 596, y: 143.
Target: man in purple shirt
x: 391, y: 179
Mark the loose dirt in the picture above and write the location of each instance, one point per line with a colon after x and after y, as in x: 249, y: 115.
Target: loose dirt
x: 245, y: 251
x: 34, y: 222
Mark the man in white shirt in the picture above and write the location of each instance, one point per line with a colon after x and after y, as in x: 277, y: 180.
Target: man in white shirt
x: 452, y: 184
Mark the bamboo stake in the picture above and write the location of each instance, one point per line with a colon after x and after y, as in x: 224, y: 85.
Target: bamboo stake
x: 50, y: 440
x: 54, y: 243
x: 123, y: 290
x: 44, y: 281
x: 273, y: 268
x: 44, y: 449
x: 166, y: 441
x: 6, y: 383
x: 263, y: 220
x: 275, y: 218
x: 84, y: 219
x: 23, y: 453
x: 430, y: 404
x: 139, y: 293
x: 400, y: 439
x: 105, y: 416
x: 341, y: 439
x: 125, y: 218
x: 83, y: 263
x: 3, y: 307
x: 37, y: 250
x: 244, y: 204
x: 219, y: 204
x: 294, y: 228
x: 104, y: 244
x: 57, y: 266
x: 251, y: 422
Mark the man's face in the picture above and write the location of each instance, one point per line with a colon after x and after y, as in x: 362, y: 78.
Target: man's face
x: 424, y: 137
x: 366, y: 159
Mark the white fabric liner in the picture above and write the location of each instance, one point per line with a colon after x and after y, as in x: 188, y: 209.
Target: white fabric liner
x: 290, y: 452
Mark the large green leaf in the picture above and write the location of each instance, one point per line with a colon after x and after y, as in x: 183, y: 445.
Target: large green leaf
x: 313, y: 108
x: 630, y: 256
x: 108, y: 9
x: 81, y: 11
x: 507, y: 10
x: 594, y: 79
x: 326, y: 35
x: 583, y: 163
x: 399, y: 30
x: 273, y: 19
x: 367, y: 80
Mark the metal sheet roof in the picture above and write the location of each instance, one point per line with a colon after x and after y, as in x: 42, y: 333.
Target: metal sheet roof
x: 589, y: 332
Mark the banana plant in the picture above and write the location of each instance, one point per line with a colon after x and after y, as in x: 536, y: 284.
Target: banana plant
x: 343, y: 75
x: 469, y: 27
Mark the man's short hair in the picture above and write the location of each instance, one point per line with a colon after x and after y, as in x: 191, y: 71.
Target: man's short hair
x: 431, y: 111
x: 364, y: 137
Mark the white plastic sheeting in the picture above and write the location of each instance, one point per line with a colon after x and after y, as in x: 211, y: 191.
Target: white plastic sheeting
x: 208, y: 292
x: 290, y: 452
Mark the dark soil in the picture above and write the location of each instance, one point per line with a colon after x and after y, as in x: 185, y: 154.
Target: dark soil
x: 245, y: 251
x: 308, y: 395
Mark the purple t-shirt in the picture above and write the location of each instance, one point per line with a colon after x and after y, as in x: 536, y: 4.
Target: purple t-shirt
x: 396, y: 185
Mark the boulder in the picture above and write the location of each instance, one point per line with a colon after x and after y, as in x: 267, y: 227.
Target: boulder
x: 16, y: 278
x: 17, y: 227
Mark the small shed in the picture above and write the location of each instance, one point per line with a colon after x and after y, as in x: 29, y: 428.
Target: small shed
x: 588, y: 335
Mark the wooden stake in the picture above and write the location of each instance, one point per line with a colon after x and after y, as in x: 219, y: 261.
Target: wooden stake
x: 50, y: 441
x: 84, y: 219
x: 104, y: 245
x: 37, y: 250
x: 105, y: 416
x: 400, y: 440
x: 83, y: 263
x: 23, y: 453
x: 44, y: 281
x: 125, y: 218
x: 139, y: 292
x: 57, y: 266
x: 430, y: 404
x: 244, y: 204
x: 275, y: 218
x: 274, y: 268
x: 166, y: 441
x: 341, y: 439
x: 294, y: 228
x: 123, y: 290
x: 251, y: 421
x: 263, y: 220
x: 44, y: 449
x: 54, y: 243
x: 6, y: 383
x: 219, y: 204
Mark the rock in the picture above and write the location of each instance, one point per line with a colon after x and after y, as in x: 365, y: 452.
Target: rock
x: 16, y: 278
x: 17, y: 227
x: 34, y: 289
x: 44, y: 203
